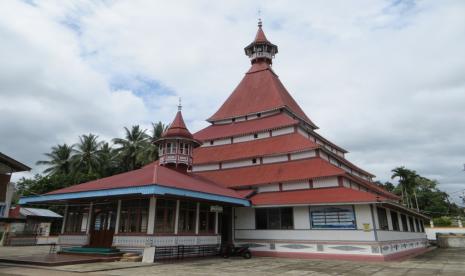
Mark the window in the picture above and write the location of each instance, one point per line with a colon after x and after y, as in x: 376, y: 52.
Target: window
x: 134, y: 216
x: 187, y: 217
x: 206, y: 219
x: 333, y: 217
x: 395, y: 221
x: 168, y: 148
x: 382, y: 219
x: 412, y: 228
x: 186, y: 149
x: 76, y: 219
x: 259, y: 115
x: 211, y: 142
x: 164, y: 215
x: 255, y: 136
x: 254, y: 161
x: 274, y: 218
x: 417, y: 225
x: 181, y: 148
x: 404, y: 222
x: 422, y: 226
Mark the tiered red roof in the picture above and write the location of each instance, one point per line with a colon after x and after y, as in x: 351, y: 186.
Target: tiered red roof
x: 273, y: 173
x: 245, y: 127
x: 275, y: 145
x: 260, y: 90
x: 149, y: 175
x: 314, y: 196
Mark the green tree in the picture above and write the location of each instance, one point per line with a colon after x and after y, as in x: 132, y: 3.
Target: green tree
x: 86, y: 154
x: 407, y: 185
x: 59, y: 160
x: 108, y: 161
x: 132, y: 149
x: 157, y: 131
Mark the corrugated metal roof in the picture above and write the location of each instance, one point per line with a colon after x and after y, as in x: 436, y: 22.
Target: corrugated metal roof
x: 38, y: 212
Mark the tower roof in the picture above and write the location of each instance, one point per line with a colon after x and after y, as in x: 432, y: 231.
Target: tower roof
x: 177, y: 128
x: 260, y: 36
x: 259, y: 91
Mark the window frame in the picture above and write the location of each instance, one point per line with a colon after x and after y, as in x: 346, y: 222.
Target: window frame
x: 383, y: 223
x: 166, y: 226
x: 327, y: 226
x: 279, y: 216
x: 134, y: 209
x: 395, y: 226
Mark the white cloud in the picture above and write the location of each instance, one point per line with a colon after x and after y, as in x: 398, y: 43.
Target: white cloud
x: 383, y: 79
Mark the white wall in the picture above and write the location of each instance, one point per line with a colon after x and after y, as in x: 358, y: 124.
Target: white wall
x: 240, y: 163
x: 274, y: 159
x: 301, y: 217
x: 397, y: 235
x: 206, y: 167
x: 334, y: 235
x: 363, y: 215
x: 302, y: 155
x: 245, y: 218
x: 282, y: 131
x: 296, y: 185
x: 431, y: 232
x: 268, y: 188
x: 325, y: 182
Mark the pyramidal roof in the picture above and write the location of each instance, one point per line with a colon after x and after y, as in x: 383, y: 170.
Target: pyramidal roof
x: 177, y: 128
x: 260, y: 90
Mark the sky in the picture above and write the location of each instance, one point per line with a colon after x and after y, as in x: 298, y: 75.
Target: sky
x: 383, y: 79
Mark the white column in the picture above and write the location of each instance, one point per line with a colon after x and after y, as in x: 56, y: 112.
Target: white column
x: 431, y: 224
x: 399, y: 218
x: 197, y: 222
x: 118, y: 215
x: 176, y: 218
x: 216, y: 223
x: 151, y: 220
x: 89, y: 217
x: 65, y: 216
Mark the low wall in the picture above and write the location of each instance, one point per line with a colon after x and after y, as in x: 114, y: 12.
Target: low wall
x: 431, y: 232
x: 454, y: 241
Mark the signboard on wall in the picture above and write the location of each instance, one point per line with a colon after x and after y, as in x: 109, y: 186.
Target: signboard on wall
x: 216, y: 208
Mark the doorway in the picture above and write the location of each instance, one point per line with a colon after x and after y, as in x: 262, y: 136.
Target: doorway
x: 225, y: 225
x: 103, y: 226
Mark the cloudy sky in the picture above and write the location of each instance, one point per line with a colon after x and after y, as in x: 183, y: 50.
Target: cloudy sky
x: 383, y: 79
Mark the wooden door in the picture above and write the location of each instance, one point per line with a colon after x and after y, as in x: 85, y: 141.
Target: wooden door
x: 103, y: 226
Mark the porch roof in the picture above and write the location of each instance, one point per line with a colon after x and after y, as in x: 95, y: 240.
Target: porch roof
x: 150, y: 179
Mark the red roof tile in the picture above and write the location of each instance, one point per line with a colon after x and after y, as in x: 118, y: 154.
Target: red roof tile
x: 372, y: 186
x: 149, y: 175
x: 260, y: 36
x: 245, y: 127
x: 273, y: 173
x: 260, y: 90
x: 269, y: 146
x: 314, y: 196
x: 177, y: 128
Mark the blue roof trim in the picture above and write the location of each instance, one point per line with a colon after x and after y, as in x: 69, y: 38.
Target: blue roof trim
x: 145, y: 190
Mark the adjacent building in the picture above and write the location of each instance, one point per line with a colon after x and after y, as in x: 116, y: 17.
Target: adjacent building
x: 258, y: 175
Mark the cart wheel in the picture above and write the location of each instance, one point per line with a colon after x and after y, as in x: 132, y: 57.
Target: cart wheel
x: 247, y: 255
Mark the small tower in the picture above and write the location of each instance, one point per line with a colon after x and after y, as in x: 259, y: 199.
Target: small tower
x: 261, y: 49
x: 176, y: 144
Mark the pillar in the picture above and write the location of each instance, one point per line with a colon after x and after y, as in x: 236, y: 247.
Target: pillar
x: 431, y: 223
x: 65, y: 216
x: 176, y: 218
x: 89, y: 218
x: 151, y: 220
x: 118, y: 217
x: 216, y: 223
x: 197, y: 222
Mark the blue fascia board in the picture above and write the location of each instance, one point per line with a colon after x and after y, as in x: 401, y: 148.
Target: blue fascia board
x: 145, y: 190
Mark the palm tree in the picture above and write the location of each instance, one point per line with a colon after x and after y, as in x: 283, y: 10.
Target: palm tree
x: 157, y: 131
x: 408, y: 184
x: 59, y: 160
x: 86, y: 157
x: 107, y: 160
x: 133, y: 147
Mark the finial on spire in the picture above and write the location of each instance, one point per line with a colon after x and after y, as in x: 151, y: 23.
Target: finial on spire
x: 259, y: 18
x: 179, y: 105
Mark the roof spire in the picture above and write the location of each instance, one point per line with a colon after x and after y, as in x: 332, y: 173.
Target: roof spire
x: 179, y: 104
x: 259, y: 18
x: 261, y: 49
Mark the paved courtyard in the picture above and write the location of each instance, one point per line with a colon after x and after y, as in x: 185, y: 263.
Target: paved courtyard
x: 436, y: 262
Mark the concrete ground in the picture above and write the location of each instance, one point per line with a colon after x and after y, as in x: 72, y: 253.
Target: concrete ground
x: 436, y: 262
